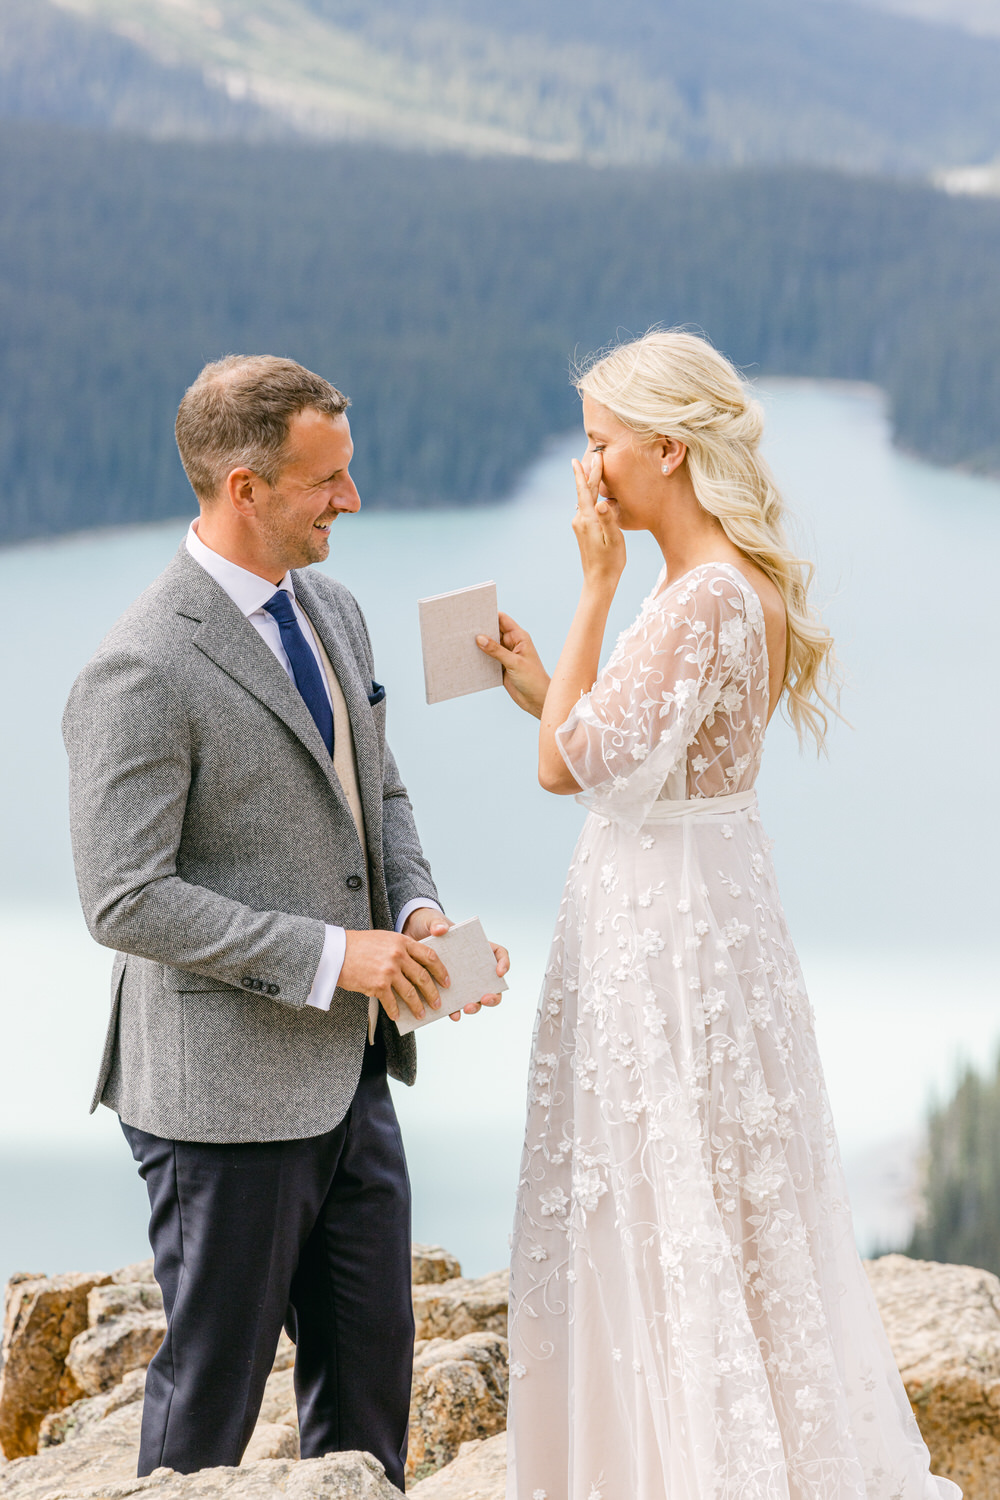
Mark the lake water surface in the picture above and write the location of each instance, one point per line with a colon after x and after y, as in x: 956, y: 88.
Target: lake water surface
x: 885, y: 849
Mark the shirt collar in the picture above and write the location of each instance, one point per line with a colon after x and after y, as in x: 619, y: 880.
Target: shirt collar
x: 248, y: 591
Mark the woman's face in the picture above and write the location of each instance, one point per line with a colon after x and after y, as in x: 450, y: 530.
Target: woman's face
x: 632, y: 482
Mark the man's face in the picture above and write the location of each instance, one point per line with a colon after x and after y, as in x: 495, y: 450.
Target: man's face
x: 294, y: 515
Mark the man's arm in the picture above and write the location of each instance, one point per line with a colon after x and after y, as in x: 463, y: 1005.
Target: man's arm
x: 128, y: 741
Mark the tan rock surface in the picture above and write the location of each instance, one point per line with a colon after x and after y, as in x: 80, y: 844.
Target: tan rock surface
x: 340, y: 1476
x: 104, y: 1454
x: 73, y: 1421
x: 279, y: 1399
x: 42, y: 1316
x: 459, y: 1394
x: 139, y: 1270
x: 465, y: 1304
x: 272, y: 1440
x: 284, y: 1357
x: 101, y: 1355
x: 943, y: 1323
x: 478, y: 1473
x: 432, y: 1263
x: 107, y: 1302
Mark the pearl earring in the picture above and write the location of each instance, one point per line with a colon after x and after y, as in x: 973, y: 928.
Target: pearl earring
x: 664, y: 468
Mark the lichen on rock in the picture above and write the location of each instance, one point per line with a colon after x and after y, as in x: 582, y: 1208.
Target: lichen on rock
x: 459, y: 1394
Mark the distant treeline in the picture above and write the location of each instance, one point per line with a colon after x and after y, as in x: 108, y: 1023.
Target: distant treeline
x: 960, y: 1215
x: 447, y: 297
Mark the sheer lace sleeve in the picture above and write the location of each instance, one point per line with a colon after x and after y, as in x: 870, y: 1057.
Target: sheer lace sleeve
x: 684, y: 662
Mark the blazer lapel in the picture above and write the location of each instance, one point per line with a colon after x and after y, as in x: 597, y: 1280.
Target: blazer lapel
x: 228, y: 639
x: 330, y: 627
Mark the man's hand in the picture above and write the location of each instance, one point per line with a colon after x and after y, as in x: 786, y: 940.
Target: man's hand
x: 426, y: 922
x: 393, y: 966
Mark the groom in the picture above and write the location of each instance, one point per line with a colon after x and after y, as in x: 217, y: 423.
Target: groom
x: 242, y: 837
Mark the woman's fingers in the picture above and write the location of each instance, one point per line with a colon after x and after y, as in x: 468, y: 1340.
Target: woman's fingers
x: 499, y: 653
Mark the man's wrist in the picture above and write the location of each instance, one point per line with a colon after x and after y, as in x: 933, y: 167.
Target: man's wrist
x: 419, y: 903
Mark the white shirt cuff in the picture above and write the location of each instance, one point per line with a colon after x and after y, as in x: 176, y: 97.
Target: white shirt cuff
x: 414, y: 906
x: 331, y: 961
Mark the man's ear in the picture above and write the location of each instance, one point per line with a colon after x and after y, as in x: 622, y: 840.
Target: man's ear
x: 243, y: 487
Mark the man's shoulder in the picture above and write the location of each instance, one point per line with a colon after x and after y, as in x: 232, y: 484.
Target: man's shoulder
x: 152, y: 627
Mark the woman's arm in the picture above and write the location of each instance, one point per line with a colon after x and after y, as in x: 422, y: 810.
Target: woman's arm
x: 602, y: 556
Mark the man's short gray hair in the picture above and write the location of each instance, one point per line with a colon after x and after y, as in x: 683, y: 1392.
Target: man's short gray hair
x: 236, y: 416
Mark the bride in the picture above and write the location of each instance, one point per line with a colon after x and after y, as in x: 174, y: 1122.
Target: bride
x: 689, y: 1316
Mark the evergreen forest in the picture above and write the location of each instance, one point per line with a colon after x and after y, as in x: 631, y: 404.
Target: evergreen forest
x: 960, y: 1219
x: 448, y: 296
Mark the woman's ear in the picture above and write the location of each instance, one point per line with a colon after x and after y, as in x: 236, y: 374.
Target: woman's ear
x: 672, y: 454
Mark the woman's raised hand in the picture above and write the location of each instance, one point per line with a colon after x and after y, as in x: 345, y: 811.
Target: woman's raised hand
x: 598, y: 535
x: 524, y: 677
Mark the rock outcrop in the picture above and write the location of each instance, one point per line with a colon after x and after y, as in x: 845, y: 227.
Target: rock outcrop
x: 432, y: 1264
x: 73, y: 1421
x: 478, y: 1473
x: 84, y: 1416
x: 459, y: 1394
x: 460, y: 1305
x: 943, y: 1323
x: 42, y: 1317
x: 341, y: 1476
x: 75, y: 1350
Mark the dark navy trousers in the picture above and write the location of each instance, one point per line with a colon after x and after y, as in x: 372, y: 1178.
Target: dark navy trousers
x: 311, y: 1234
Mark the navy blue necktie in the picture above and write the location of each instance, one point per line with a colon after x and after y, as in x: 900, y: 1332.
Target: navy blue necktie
x: 308, y: 678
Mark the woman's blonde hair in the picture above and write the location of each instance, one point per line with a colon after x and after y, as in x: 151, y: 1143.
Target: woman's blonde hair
x: 674, y: 384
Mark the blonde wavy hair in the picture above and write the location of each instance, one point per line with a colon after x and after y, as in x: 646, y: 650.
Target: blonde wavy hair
x: 674, y: 384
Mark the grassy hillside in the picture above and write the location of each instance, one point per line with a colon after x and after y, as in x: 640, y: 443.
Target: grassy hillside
x: 447, y: 297
x: 732, y: 81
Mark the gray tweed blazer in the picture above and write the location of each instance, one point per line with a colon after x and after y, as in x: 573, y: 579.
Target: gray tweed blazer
x: 212, y: 841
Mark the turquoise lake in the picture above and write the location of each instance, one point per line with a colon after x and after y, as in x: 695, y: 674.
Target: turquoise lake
x: 886, y: 849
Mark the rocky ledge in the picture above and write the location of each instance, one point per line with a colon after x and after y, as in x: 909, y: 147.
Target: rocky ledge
x: 75, y: 1349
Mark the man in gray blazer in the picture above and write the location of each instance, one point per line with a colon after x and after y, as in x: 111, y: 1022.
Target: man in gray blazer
x: 242, y: 837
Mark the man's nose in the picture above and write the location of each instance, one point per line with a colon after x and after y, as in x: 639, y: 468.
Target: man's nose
x: 348, y: 499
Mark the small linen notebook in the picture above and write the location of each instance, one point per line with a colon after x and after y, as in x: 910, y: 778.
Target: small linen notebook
x: 472, y: 969
x: 449, y: 624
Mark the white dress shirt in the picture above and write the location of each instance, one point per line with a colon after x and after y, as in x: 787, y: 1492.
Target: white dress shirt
x: 250, y: 593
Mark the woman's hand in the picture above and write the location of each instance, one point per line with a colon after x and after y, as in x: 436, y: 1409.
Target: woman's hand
x: 598, y: 535
x: 524, y: 677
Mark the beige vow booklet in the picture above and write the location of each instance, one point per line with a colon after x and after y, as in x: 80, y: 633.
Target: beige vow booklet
x: 449, y: 624
x: 472, y: 969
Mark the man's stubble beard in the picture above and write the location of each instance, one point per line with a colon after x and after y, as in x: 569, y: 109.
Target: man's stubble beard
x: 289, y: 546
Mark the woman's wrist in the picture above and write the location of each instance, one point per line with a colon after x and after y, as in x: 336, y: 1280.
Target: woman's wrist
x: 599, y: 593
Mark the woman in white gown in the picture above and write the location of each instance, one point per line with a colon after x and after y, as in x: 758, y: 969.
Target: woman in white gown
x: 689, y: 1316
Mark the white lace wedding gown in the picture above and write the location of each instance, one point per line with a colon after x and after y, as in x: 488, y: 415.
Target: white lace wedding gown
x: 689, y: 1316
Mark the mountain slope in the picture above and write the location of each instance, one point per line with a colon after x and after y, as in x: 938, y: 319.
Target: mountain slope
x: 58, y: 66
x: 724, y: 81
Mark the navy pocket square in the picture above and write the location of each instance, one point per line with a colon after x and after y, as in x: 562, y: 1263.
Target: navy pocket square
x: 377, y: 694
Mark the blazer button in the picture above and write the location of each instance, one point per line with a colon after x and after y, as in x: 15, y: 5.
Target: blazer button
x: 354, y: 882
x: 258, y: 984
x: 274, y: 989
x: 247, y: 983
